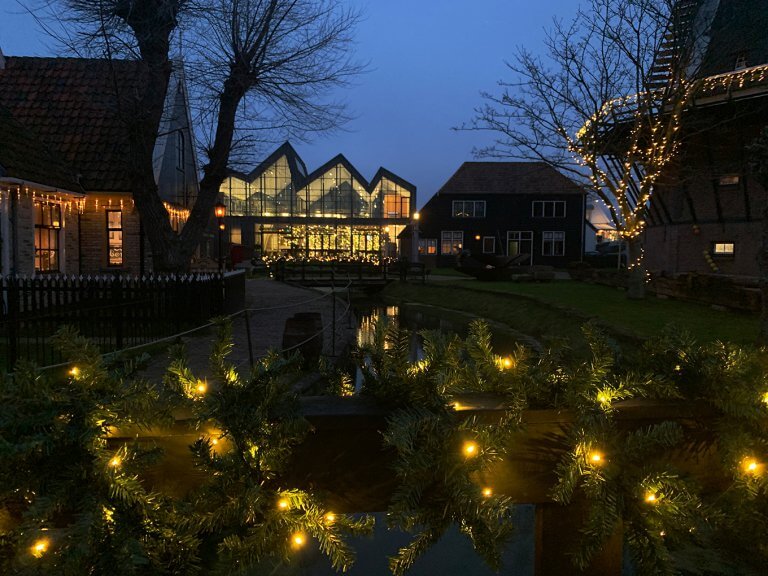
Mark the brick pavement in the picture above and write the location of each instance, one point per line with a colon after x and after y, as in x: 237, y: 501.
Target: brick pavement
x: 274, y: 302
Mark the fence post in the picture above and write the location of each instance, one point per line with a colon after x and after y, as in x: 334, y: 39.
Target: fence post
x: 333, y: 321
x: 13, y: 334
x: 117, y: 311
x: 248, y: 334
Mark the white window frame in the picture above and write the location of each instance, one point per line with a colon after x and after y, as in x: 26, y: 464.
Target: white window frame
x: 493, y: 244
x: 464, y: 212
x: 553, y: 239
x: 424, y: 245
x: 544, y: 204
x: 454, y: 234
x: 523, y: 236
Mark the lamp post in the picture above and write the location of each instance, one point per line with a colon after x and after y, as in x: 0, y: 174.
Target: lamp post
x: 220, y: 211
x: 415, y: 237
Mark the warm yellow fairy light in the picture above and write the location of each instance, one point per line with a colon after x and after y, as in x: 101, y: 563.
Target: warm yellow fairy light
x: 283, y: 504
x: 298, y: 539
x: 765, y: 398
x: 115, y: 462
x: 487, y: 492
x: 470, y: 449
x: 74, y: 372
x: 39, y: 548
x: 201, y: 387
x: 214, y: 441
x: 751, y: 466
x: 650, y: 497
x: 596, y: 457
x: 330, y: 518
x: 603, y: 398
x: 507, y: 362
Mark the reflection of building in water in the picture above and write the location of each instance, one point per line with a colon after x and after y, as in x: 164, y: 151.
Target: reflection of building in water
x: 279, y: 210
x: 383, y: 317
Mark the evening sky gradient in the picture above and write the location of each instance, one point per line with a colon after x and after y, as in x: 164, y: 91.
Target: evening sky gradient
x: 428, y: 61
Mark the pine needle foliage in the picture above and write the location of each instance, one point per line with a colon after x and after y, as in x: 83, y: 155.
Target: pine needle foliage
x: 73, y: 501
x: 442, y: 456
x: 630, y: 477
x: 249, y: 427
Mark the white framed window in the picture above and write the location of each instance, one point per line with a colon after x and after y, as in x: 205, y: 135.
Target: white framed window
x: 723, y: 248
x: 519, y: 242
x: 489, y: 245
x: 451, y: 241
x: 468, y: 209
x: 553, y: 243
x: 548, y: 209
x: 428, y: 246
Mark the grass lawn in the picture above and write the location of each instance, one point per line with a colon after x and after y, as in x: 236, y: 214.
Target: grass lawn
x: 561, y: 307
x: 447, y: 272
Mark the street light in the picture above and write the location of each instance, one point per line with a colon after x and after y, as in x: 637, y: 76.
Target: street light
x: 415, y: 237
x: 220, y: 210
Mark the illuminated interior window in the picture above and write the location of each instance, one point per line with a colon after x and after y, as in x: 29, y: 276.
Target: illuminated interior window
x: 451, y: 241
x: 729, y: 180
x: 723, y: 248
x: 47, y: 227
x: 115, y: 237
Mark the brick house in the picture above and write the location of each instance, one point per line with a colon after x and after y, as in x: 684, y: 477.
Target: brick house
x: 65, y: 199
x: 705, y: 214
x: 503, y: 209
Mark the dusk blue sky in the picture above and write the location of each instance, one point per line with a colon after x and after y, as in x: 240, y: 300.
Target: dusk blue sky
x: 428, y: 62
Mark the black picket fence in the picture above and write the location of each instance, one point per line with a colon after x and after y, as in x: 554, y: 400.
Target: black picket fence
x: 114, y: 312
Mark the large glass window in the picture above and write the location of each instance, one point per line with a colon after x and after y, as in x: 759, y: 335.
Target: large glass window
x: 47, y: 227
x: 468, y: 209
x: 451, y: 241
x: 548, y: 209
x: 390, y: 200
x: 519, y: 242
x: 114, y: 237
x: 235, y: 196
x: 553, y: 243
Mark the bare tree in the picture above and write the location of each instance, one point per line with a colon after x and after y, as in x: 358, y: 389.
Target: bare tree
x: 603, y: 105
x: 255, y: 66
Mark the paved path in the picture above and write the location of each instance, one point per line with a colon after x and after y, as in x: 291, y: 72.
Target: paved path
x: 272, y: 304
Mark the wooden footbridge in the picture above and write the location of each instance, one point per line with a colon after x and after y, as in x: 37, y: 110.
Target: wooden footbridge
x: 359, y: 275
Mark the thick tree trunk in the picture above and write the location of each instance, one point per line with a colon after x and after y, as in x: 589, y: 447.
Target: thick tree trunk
x: 635, y: 270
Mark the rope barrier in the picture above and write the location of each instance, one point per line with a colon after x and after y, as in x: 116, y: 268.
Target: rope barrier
x: 228, y: 317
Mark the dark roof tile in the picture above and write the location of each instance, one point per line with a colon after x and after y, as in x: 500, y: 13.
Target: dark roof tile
x: 508, y: 178
x: 72, y: 106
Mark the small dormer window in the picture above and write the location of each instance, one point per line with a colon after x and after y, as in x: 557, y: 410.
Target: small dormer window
x: 741, y: 61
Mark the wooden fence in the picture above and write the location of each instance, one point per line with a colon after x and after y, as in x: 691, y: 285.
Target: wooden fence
x: 115, y: 312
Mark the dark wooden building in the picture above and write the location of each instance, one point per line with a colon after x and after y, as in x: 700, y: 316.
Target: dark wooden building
x: 504, y: 208
x: 705, y: 213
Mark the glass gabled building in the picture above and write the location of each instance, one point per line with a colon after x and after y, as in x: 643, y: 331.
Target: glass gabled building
x: 333, y: 213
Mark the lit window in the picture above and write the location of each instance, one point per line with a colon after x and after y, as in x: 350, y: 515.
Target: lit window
x: 428, y: 246
x: 235, y: 234
x: 489, y: 245
x: 47, y: 226
x: 451, y: 241
x: 115, y: 237
x: 741, y: 62
x: 729, y: 180
x: 723, y: 248
x: 468, y: 209
x: 548, y: 209
x: 553, y: 243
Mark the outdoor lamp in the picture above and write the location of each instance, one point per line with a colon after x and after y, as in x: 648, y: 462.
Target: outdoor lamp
x: 219, y: 210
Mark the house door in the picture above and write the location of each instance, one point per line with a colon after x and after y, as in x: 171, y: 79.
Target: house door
x: 519, y: 242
